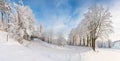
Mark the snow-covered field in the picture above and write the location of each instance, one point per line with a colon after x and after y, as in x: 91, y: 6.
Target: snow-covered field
x: 41, y: 51
x: 102, y: 55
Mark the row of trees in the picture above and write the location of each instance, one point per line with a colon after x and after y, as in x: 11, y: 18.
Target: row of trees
x: 54, y: 38
x: 96, y: 25
x: 17, y: 19
x: 104, y: 44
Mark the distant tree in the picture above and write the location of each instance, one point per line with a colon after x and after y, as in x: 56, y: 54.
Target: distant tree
x: 61, y: 40
x: 109, y: 43
x: 41, y: 28
x: 72, y: 37
x: 48, y: 36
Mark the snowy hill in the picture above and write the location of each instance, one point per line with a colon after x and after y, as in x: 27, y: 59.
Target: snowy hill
x: 41, y: 51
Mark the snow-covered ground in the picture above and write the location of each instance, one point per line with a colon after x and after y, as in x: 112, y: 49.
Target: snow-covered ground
x: 102, y: 55
x: 41, y: 51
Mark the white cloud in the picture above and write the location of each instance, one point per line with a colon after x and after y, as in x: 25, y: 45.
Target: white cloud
x: 115, y: 11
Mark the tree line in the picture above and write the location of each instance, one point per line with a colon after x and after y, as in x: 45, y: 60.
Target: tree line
x: 96, y: 25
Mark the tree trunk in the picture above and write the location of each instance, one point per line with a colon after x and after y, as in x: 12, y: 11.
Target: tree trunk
x: 7, y: 37
x: 83, y: 42
x: 2, y: 17
x: 93, y: 43
x: 7, y: 26
x: 80, y: 42
x: 87, y: 40
x: 73, y: 40
x: 2, y: 20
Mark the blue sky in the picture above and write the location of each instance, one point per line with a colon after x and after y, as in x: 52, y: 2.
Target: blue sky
x: 61, y: 15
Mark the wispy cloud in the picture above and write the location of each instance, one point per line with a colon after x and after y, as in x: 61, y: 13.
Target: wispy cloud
x: 65, y: 15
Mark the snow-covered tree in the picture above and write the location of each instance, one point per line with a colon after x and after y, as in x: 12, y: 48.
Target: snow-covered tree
x: 6, y: 12
x: 24, y: 22
x: 61, y: 40
x: 71, y: 37
x: 98, y: 23
x: 48, y: 36
x: 9, y: 16
x: 41, y: 29
x: 95, y: 25
x: 3, y: 10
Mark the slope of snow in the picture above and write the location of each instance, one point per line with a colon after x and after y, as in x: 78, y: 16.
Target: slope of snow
x: 41, y: 51
x: 13, y: 51
x: 20, y: 53
x: 55, y: 52
x: 34, y: 51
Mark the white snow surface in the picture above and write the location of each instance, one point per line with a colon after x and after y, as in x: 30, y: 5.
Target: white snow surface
x: 41, y: 51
